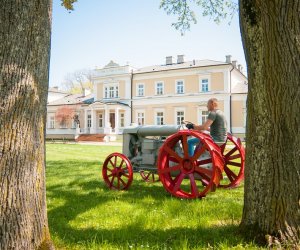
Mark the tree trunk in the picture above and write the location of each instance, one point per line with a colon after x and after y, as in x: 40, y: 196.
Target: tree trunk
x: 271, y: 39
x: 25, y: 28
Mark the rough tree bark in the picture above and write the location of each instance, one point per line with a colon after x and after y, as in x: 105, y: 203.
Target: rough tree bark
x: 25, y: 28
x: 271, y: 39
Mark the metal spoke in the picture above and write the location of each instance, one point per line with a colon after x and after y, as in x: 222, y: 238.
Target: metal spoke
x: 198, y: 153
x: 185, y: 145
x: 169, y: 169
x: 231, y: 152
x: 120, y: 166
x: 234, y: 163
x: 233, y: 157
x: 231, y: 175
x: 194, y: 189
x: 111, y: 182
x: 172, y: 153
x: 178, y: 182
x: 205, y: 161
x: 203, y: 171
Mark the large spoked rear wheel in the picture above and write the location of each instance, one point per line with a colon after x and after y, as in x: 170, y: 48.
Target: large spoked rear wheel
x: 234, y: 157
x: 117, y: 171
x: 190, y: 173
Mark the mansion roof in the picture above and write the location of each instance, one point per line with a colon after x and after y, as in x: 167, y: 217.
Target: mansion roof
x: 184, y: 65
x: 73, y: 99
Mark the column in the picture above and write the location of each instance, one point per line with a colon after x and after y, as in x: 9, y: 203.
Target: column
x: 117, y: 120
x: 93, y: 122
x: 107, y: 127
x: 85, y: 121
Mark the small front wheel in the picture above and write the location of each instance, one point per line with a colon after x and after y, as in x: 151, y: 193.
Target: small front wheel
x: 117, y: 172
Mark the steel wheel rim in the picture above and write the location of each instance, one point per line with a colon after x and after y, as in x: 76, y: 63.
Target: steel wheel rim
x: 117, y: 172
x: 189, y: 167
x: 234, y: 159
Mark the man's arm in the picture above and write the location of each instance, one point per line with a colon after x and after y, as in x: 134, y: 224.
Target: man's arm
x: 204, y: 126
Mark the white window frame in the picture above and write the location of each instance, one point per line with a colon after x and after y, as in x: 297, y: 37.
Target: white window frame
x: 205, y: 77
x: 51, y: 123
x: 122, y: 120
x: 176, y: 86
x: 89, y: 120
x: 201, y: 116
x: 111, y: 91
x: 156, y: 111
x: 156, y: 87
x: 138, y: 89
x: 73, y: 123
x: 245, y: 112
x: 102, y: 120
x: 176, y: 115
x: 140, y: 111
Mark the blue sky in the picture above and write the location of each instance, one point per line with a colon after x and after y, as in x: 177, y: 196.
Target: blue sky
x: 135, y: 32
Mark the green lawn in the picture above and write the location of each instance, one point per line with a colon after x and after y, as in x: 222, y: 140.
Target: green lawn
x: 84, y: 214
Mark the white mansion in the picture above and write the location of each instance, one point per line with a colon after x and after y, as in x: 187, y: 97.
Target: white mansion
x: 161, y: 94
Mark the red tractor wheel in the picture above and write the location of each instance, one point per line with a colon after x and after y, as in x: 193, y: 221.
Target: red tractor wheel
x: 190, y: 176
x: 234, y: 157
x: 117, y: 171
x: 149, y: 176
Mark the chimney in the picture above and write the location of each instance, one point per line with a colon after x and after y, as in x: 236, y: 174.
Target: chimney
x: 234, y: 63
x: 228, y: 59
x: 240, y: 68
x: 86, y: 92
x: 180, y: 58
x: 169, y: 60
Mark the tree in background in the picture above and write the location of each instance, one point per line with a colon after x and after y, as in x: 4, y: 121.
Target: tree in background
x: 271, y: 38
x: 78, y: 81
x: 64, y: 115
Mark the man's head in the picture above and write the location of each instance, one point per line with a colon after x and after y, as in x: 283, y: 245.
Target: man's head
x: 212, y: 104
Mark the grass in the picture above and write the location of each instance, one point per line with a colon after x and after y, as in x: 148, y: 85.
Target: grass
x: 84, y: 214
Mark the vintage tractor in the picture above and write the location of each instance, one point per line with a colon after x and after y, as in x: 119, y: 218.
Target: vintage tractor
x: 163, y: 153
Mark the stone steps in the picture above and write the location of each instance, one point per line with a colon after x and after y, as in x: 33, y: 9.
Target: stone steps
x: 91, y: 137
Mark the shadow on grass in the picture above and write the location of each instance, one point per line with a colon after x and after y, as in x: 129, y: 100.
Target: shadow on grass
x: 80, y: 188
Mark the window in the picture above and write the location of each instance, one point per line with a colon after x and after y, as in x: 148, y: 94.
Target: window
x: 204, y: 85
x: 100, y: 120
x: 140, y: 90
x: 159, y: 88
x: 74, y: 124
x: 111, y: 91
x: 179, y: 117
x: 122, y: 119
x: 203, y: 116
x: 51, y: 122
x: 89, y: 121
x: 140, y: 118
x: 244, y: 113
x: 159, y: 118
x: 179, y: 87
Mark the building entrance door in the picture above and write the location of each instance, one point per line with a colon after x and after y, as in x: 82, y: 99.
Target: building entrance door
x: 112, y: 120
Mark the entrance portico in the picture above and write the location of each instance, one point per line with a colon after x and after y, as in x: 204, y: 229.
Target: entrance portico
x: 106, y: 118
